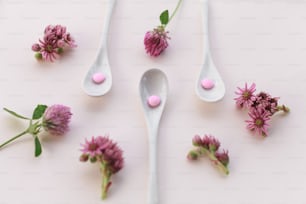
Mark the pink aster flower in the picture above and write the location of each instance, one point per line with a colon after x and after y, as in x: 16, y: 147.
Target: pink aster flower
x: 156, y: 40
x: 245, y: 95
x: 103, y: 150
x: 55, y: 39
x: 258, y: 122
x: 209, y: 145
x: 91, y: 148
x: 56, y: 119
x: 48, y: 50
x: 261, y: 108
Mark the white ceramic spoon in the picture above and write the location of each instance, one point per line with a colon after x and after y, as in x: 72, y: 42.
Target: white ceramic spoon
x: 209, y: 70
x: 153, y: 82
x: 101, y: 64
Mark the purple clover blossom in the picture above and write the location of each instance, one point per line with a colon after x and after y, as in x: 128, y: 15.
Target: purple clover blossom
x: 103, y: 150
x: 245, y: 95
x: 156, y: 41
x: 56, y: 119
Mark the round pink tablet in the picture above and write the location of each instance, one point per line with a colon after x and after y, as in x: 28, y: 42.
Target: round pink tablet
x: 98, y: 78
x: 207, y: 84
x: 154, y: 101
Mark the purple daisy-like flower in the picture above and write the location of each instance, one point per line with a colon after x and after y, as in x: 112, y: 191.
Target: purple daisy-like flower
x: 156, y: 41
x: 48, y: 50
x: 259, y: 121
x: 55, y: 39
x: 91, y: 148
x: 246, y: 95
x: 56, y: 119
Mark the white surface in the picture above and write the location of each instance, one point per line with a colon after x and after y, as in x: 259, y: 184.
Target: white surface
x: 252, y: 41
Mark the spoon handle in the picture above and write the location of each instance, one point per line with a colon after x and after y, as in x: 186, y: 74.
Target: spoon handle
x: 103, y: 42
x: 205, y: 14
x: 153, y: 187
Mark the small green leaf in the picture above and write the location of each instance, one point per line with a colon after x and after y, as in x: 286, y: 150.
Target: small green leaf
x: 39, y: 111
x: 16, y: 114
x: 164, y: 17
x: 37, y: 147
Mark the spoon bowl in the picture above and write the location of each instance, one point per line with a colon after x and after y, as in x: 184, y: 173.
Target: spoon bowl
x: 153, y: 82
x: 209, y: 70
x: 101, y: 65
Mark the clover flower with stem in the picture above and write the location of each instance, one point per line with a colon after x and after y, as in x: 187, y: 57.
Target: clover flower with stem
x: 156, y: 40
x: 107, y: 153
x: 54, y: 120
x: 209, y: 145
x: 261, y: 107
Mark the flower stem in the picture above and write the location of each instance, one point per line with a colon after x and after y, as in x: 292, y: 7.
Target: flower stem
x: 14, y: 138
x: 283, y: 108
x: 174, y: 12
x: 215, y: 161
x: 105, y: 181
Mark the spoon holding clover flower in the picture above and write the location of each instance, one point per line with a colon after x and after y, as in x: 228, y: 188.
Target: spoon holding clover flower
x: 98, y: 80
x: 153, y: 89
x: 209, y: 86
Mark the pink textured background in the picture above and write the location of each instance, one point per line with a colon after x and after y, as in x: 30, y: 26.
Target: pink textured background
x: 252, y: 40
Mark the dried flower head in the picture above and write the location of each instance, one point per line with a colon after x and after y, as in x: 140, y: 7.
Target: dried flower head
x: 103, y: 150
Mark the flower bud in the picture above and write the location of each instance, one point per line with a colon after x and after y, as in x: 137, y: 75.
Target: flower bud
x: 214, y: 144
x: 197, y: 141
x: 84, y: 158
x: 223, y: 157
x: 38, y: 55
x: 36, y: 47
x: 193, y: 155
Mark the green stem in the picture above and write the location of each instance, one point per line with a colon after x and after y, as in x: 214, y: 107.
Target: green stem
x: 218, y: 164
x: 14, y: 138
x: 105, y: 181
x: 174, y: 12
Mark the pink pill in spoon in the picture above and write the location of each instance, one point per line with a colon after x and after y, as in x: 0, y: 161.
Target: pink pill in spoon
x: 98, y: 78
x: 154, y: 101
x: 207, y: 84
